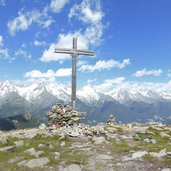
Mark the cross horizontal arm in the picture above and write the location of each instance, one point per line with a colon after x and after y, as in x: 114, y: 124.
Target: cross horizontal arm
x: 61, y: 50
x: 71, y: 51
x: 85, y: 52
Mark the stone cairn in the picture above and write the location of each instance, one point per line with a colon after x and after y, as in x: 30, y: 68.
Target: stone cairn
x: 62, y: 115
x: 111, y: 121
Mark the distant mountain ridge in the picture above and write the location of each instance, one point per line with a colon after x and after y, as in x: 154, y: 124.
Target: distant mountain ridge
x: 138, y: 104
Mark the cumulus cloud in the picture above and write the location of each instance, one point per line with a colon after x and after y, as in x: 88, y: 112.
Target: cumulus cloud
x: 1, y: 40
x: 63, y: 72
x: 64, y: 41
x: 57, y: 5
x: 4, y: 53
x: 89, y: 11
x: 39, y: 43
x: 145, y: 72
x: 49, y: 74
x: 109, y: 83
x: 26, y: 18
x: 105, y: 65
x: 23, y: 54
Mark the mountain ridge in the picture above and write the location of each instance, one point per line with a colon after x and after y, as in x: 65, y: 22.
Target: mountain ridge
x: 128, y: 104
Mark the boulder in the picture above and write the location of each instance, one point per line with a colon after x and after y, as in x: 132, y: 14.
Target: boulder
x: 41, y: 162
x: 139, y: 154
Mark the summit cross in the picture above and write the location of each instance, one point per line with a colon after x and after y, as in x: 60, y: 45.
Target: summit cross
x: 74, y: 52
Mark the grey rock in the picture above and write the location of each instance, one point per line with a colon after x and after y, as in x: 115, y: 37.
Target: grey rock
x: 51, y: 146
x: 41, y: 145
x: 22, y: 163
x: 3, y: 140
x: 42, y: 126
x: 19, y: 143
x: 162, y: 153
x: 166, y: 169
x: 139, y: 154
x: 16, y: 159
x: 33, y: 152
x: 41, y: 162
x: 8, y: 148
x: 63, y: 144
x: 73, y: 167
x: 103, y: 157
x: 99, y: 140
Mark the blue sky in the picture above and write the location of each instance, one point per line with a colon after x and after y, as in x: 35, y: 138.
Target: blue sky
x: 131, y: 39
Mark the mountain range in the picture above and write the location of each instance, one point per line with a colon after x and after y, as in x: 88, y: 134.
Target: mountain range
x: 26, y: 105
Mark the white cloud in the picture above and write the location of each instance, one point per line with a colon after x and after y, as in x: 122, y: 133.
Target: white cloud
x: 102, y: 65
x: 64, y: 41
x: 108, y: 84
x: 23, y: 54
x: 38, y: 43
x: 4, y: 53
x: 115, y: 80
x: 2, y: 2
x: 38, y: 74
x: 26, y: 19
x: 58, y: 5
x: 89, y: 11
x: 50, y: 74
x: 81, y: 62
x: 1, y: 40
x: 144, y: 72
x: 63, y: 72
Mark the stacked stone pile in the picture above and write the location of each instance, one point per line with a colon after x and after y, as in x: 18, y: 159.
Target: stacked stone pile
x: 63, y: 115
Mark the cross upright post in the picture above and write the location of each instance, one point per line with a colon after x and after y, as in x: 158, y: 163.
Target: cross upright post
x: 74, y: 52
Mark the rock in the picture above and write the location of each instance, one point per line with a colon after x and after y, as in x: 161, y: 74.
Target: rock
x: 99, y: 140
x: 16, y: 159
x: 103, y: 157
x: 3, y: 140
x: 169, y: 154
x: 57, y: 155
x: 19, y: 143
x: 63, y: 144
x: 41, y: 145
x: 22, y: 163
x: 153, y: 141
x: 162, y: 153
x: 8, y: 148
x: 33, y: 152
x: 139, y: 154
x: 73, y: 167
x: 51, y: 146
x: 42, y: 126
x: 41, y: 162
x: 166, y: 169
x: 163, y: 134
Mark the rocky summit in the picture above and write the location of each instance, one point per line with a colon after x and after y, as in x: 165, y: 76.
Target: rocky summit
x: 80, y: 147
x: 66, y: 145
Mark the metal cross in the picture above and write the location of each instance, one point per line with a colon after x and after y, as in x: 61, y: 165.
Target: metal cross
x: 74, y: 52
